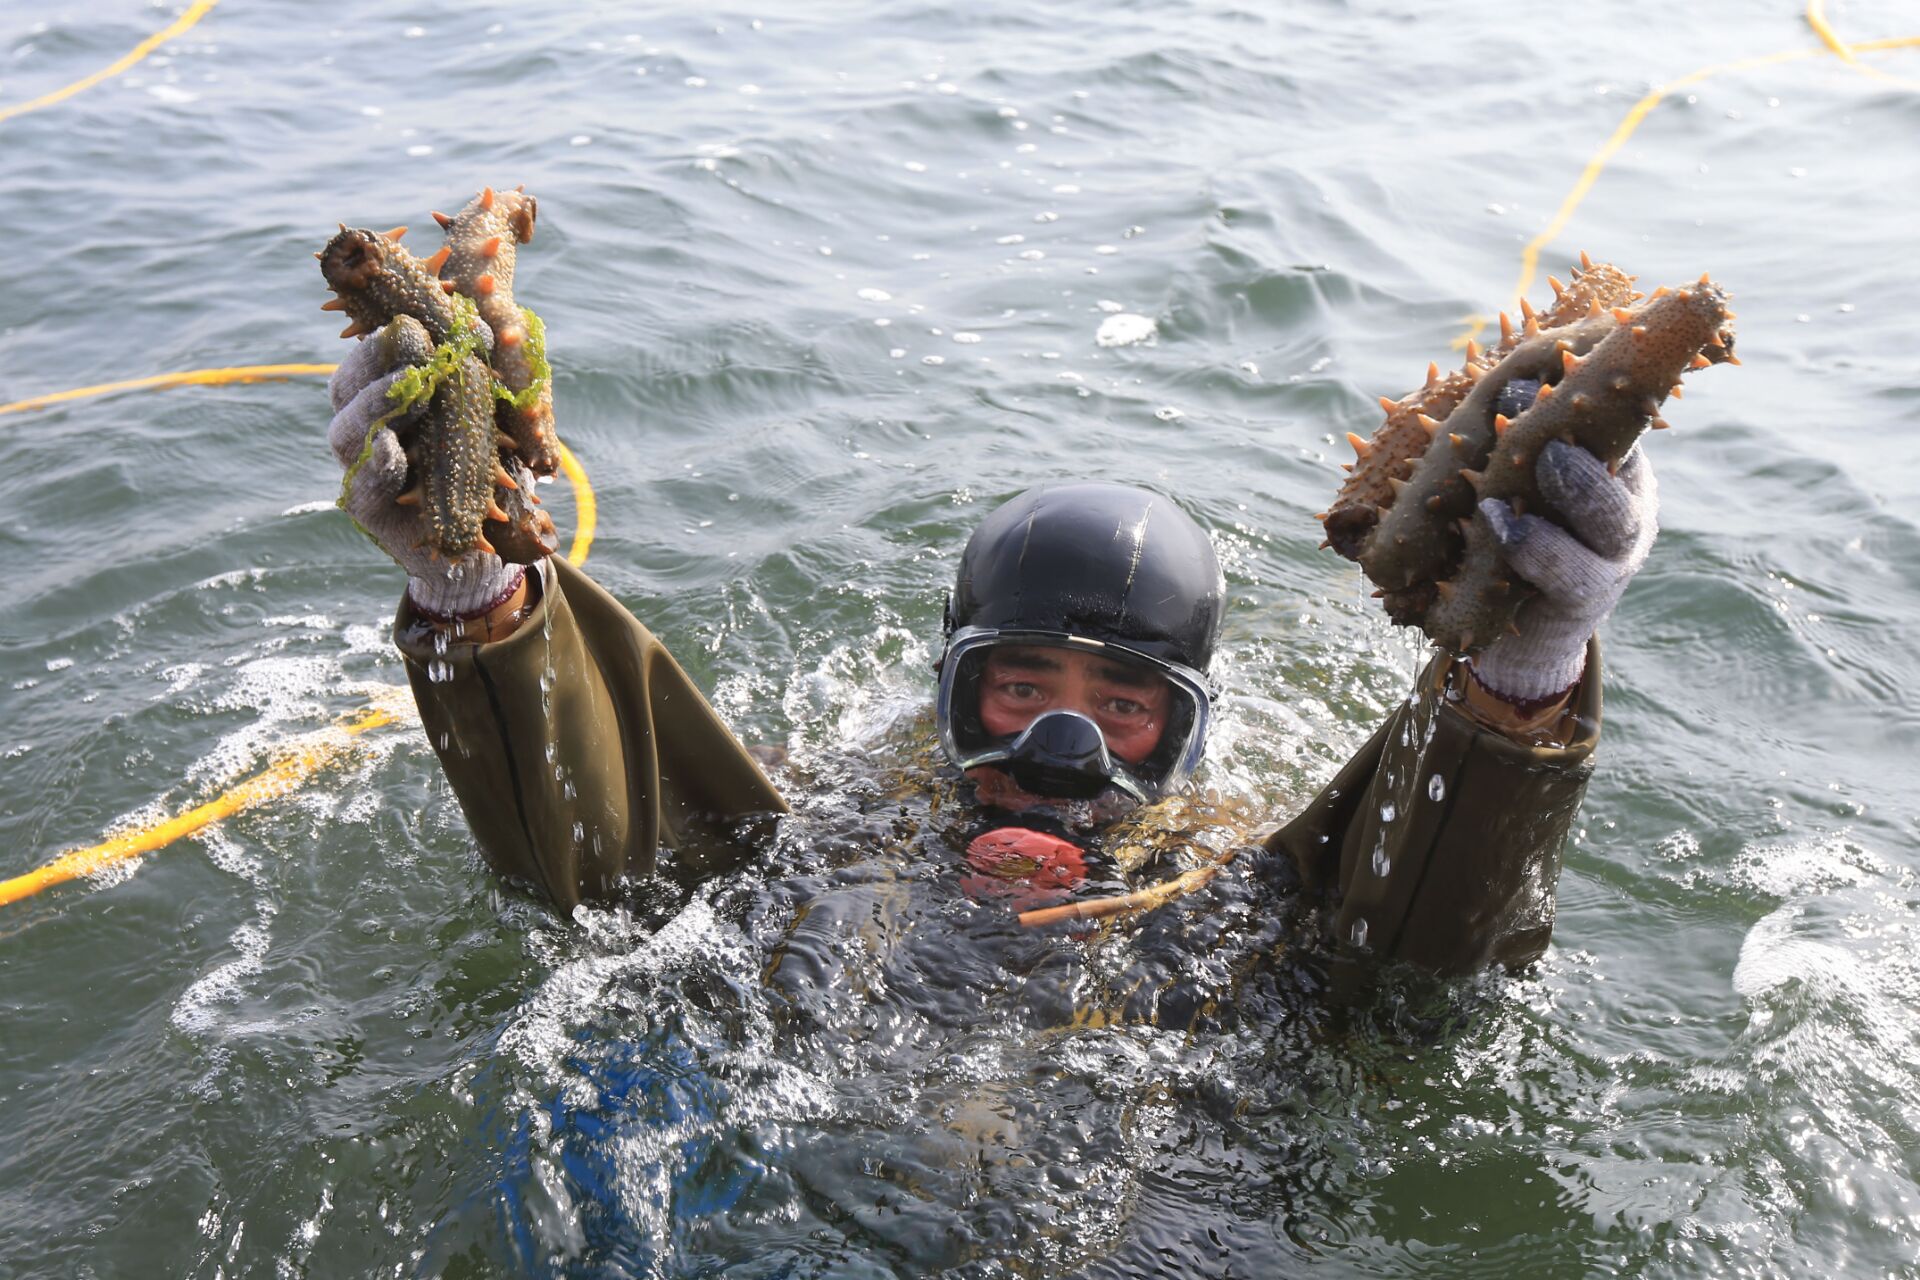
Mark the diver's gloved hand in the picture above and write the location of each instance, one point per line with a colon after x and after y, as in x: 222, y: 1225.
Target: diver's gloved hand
x: 1580, y: 568
x: 376, y: 469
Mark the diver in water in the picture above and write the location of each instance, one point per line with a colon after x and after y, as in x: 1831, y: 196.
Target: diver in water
x: 1073, y: 688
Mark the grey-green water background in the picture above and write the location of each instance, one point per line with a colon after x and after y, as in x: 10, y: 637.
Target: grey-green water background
x: 823, y: 283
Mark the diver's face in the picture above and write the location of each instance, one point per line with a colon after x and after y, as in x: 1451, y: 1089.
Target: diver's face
x: 1022, y: 682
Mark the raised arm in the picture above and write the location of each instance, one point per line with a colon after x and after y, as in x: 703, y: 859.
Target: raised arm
x: 575, y: 743
x: 1439, y: 843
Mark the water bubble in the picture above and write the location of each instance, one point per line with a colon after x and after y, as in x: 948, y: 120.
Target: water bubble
x: 1167, y: 413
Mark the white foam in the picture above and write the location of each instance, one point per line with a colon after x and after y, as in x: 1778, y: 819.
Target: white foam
x: 1126, y: 329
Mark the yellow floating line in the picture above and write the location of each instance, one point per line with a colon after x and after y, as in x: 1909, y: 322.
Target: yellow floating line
x: 1817, y: 19
x: 302, y: 761
x: 186, y: 378
x: 1636, y: 114
x: 196, y: 11
x: 586, y: 508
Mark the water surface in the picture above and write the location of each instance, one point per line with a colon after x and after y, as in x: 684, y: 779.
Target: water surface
x: 822, y: 287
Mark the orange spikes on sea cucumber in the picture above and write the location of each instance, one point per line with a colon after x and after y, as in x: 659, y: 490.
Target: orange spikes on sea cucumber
x: 1706, y: 277
x: 486, y: 198
x: 495, y: 513
x: 1506, y: 328
x: 1569, y: 362
x: 1662, y: 292
x: 1545, y: 393
x: 1389, y: 404
x: 1457, y: 440
x: 1397, y: 485
x: 442, y: 219
x: 1585, y: 261
x: 1526, y: 309
x: 510, y: 338
x: 1594, y: 309
x: 483, y: 285
x: 1676, y: 392
x: 394, y: 233
x: 354, y: 330
x: 1500, y: 424
x: 338, y: 304
x: 481, y: 544
x: 1360, y: 447
x: 1558, y: 288
x: 1700, y: 362
x: 1433, y: 373
x: 500, y: 476
x: 491, y: 247
x: 1623, y: 314
x: 448, y: 285
x: 1472, y: 477
x: 1473, y: 351
x: 1428, y: 425
x: 1445, y: 588
x: 1661, y: 424
x: 439, y: 259
x: 411, y: 498
x: 1533, y: 325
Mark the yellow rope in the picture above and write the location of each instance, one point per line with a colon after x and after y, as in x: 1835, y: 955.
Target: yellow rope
x: 283, y: 776
x: 586, y: 509
x: 196, y: 11
x: 1636, y: 114
x: 309, y: 757
x: 186, y: 378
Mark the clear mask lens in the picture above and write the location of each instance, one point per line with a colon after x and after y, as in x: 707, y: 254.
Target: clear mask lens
x: 1068, y: 717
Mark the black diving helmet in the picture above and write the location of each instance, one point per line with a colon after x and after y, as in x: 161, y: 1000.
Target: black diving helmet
x: 1082, y: 622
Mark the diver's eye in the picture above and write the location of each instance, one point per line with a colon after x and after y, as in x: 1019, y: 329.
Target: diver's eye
x: 1019, y: 691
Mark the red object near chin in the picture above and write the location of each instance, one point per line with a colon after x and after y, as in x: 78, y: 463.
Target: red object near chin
x: 1024, y: 866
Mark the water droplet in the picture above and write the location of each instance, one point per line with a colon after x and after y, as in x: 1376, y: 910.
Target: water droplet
x: 1436, y: 788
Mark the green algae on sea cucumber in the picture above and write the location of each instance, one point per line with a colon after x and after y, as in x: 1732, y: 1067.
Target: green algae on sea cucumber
x: 474, y: 488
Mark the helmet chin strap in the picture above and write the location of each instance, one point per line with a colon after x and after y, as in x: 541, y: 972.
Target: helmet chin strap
x: 1061, y: 754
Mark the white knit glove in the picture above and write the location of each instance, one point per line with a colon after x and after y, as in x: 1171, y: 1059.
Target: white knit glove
x: 1580, y: 570
x: 438, y: 590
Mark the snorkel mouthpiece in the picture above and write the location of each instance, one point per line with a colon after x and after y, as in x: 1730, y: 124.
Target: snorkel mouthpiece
x: 1061, y: 754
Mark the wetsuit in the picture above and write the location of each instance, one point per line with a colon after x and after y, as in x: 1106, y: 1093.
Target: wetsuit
x: 578, y: 748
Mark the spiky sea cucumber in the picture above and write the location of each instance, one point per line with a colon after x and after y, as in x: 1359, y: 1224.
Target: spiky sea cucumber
x: 1412, y: 420
x: 446, y: 400
x: 478, y: 261
x: 1603, y: 379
